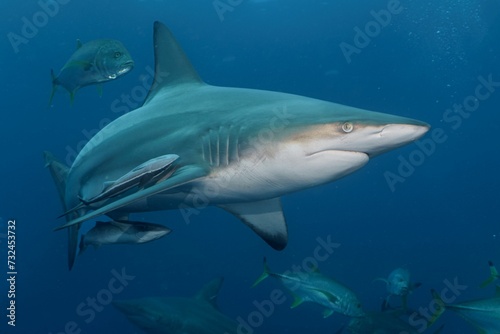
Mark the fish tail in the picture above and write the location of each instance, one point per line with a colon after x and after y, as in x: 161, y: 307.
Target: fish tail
x: 82, y: 244
x: 264, y: 275
x: 59, y: 173
x: 54, y: 86
x: 493, y: 275
x: 440, y: 308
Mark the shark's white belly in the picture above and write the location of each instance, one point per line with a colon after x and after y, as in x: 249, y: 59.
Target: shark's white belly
x: 254, y: 179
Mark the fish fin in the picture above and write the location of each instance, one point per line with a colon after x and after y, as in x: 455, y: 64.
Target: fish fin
x: 99, y: 89
x: 327, y: 312
x: 72, y: 97
x: 296, y: 301
x: 82, y: 244
x: 265, y: 218
x: 172, y: 67
x: 493, y: 275
x: 264, y: 275
x: 328, y: 295
x: 72, y: 244
x: 381, y: 279
x: 440, y: 308
x: 74, y: 209
x: 210, y: 291
x: 59, y: 172
x: 385, y: 304
x: 78, y: 44
x: 54, y: 86
x: 183, y: 175
x: 497, y: 291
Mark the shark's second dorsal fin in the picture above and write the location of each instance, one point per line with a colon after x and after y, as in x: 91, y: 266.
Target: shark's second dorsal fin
x: 172, y: 67
x: 210, y: 291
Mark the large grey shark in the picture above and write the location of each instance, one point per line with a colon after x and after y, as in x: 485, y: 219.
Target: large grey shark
x: 239, y: 149
x: 179, y: 315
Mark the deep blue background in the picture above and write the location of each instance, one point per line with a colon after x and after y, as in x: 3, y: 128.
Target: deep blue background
x: 441, y: 223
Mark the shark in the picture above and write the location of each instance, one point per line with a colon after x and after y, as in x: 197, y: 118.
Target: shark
x: 179, y: 315
x: 239, y: 149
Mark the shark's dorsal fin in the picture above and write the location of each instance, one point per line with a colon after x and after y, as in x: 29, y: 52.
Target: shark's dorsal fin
x: 172, y: 67
x: 210, y: 291
x: 265, y: 218
x: 78, y: 44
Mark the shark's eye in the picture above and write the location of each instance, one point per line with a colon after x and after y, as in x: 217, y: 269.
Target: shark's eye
x: 347, y: 127
x: 118, y: 54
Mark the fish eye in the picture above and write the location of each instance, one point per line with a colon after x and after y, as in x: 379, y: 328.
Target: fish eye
x: 347, y: 127
x: 118, y: 54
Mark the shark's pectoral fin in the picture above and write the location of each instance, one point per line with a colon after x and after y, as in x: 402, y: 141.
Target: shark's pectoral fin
x: 182, y: 176
x: 265, y: 218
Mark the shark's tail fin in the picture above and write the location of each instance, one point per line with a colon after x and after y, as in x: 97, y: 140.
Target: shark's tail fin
x: 440, y: 307
x: 493, y: 275
x: 83, y: 247
x: 264, y: 275
x: 59, y: 173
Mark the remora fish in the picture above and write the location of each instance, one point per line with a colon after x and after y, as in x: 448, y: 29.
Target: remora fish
x: 251, y: 146
x: 122, y: 232
x: 398, y: 284
x: 92, y: 63
x: 148, y: 173
x: 317, y: 288
x: 483, y: 314
x: 179, y: 315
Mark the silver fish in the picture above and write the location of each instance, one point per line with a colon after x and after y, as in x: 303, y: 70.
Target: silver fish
x: 122, y: 232
x: 398, y: 284
x: 482, y: 314
x: 317, y: 288
x: 94, y: 62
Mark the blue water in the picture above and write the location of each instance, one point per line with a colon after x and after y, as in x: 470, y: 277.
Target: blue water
x: 441, y: 222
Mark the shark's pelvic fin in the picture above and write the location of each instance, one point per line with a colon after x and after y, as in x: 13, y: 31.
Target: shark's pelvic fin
x: 181, y: 176
x: 210, y: 291
x: 265, y: 218
x: 172, y: 67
